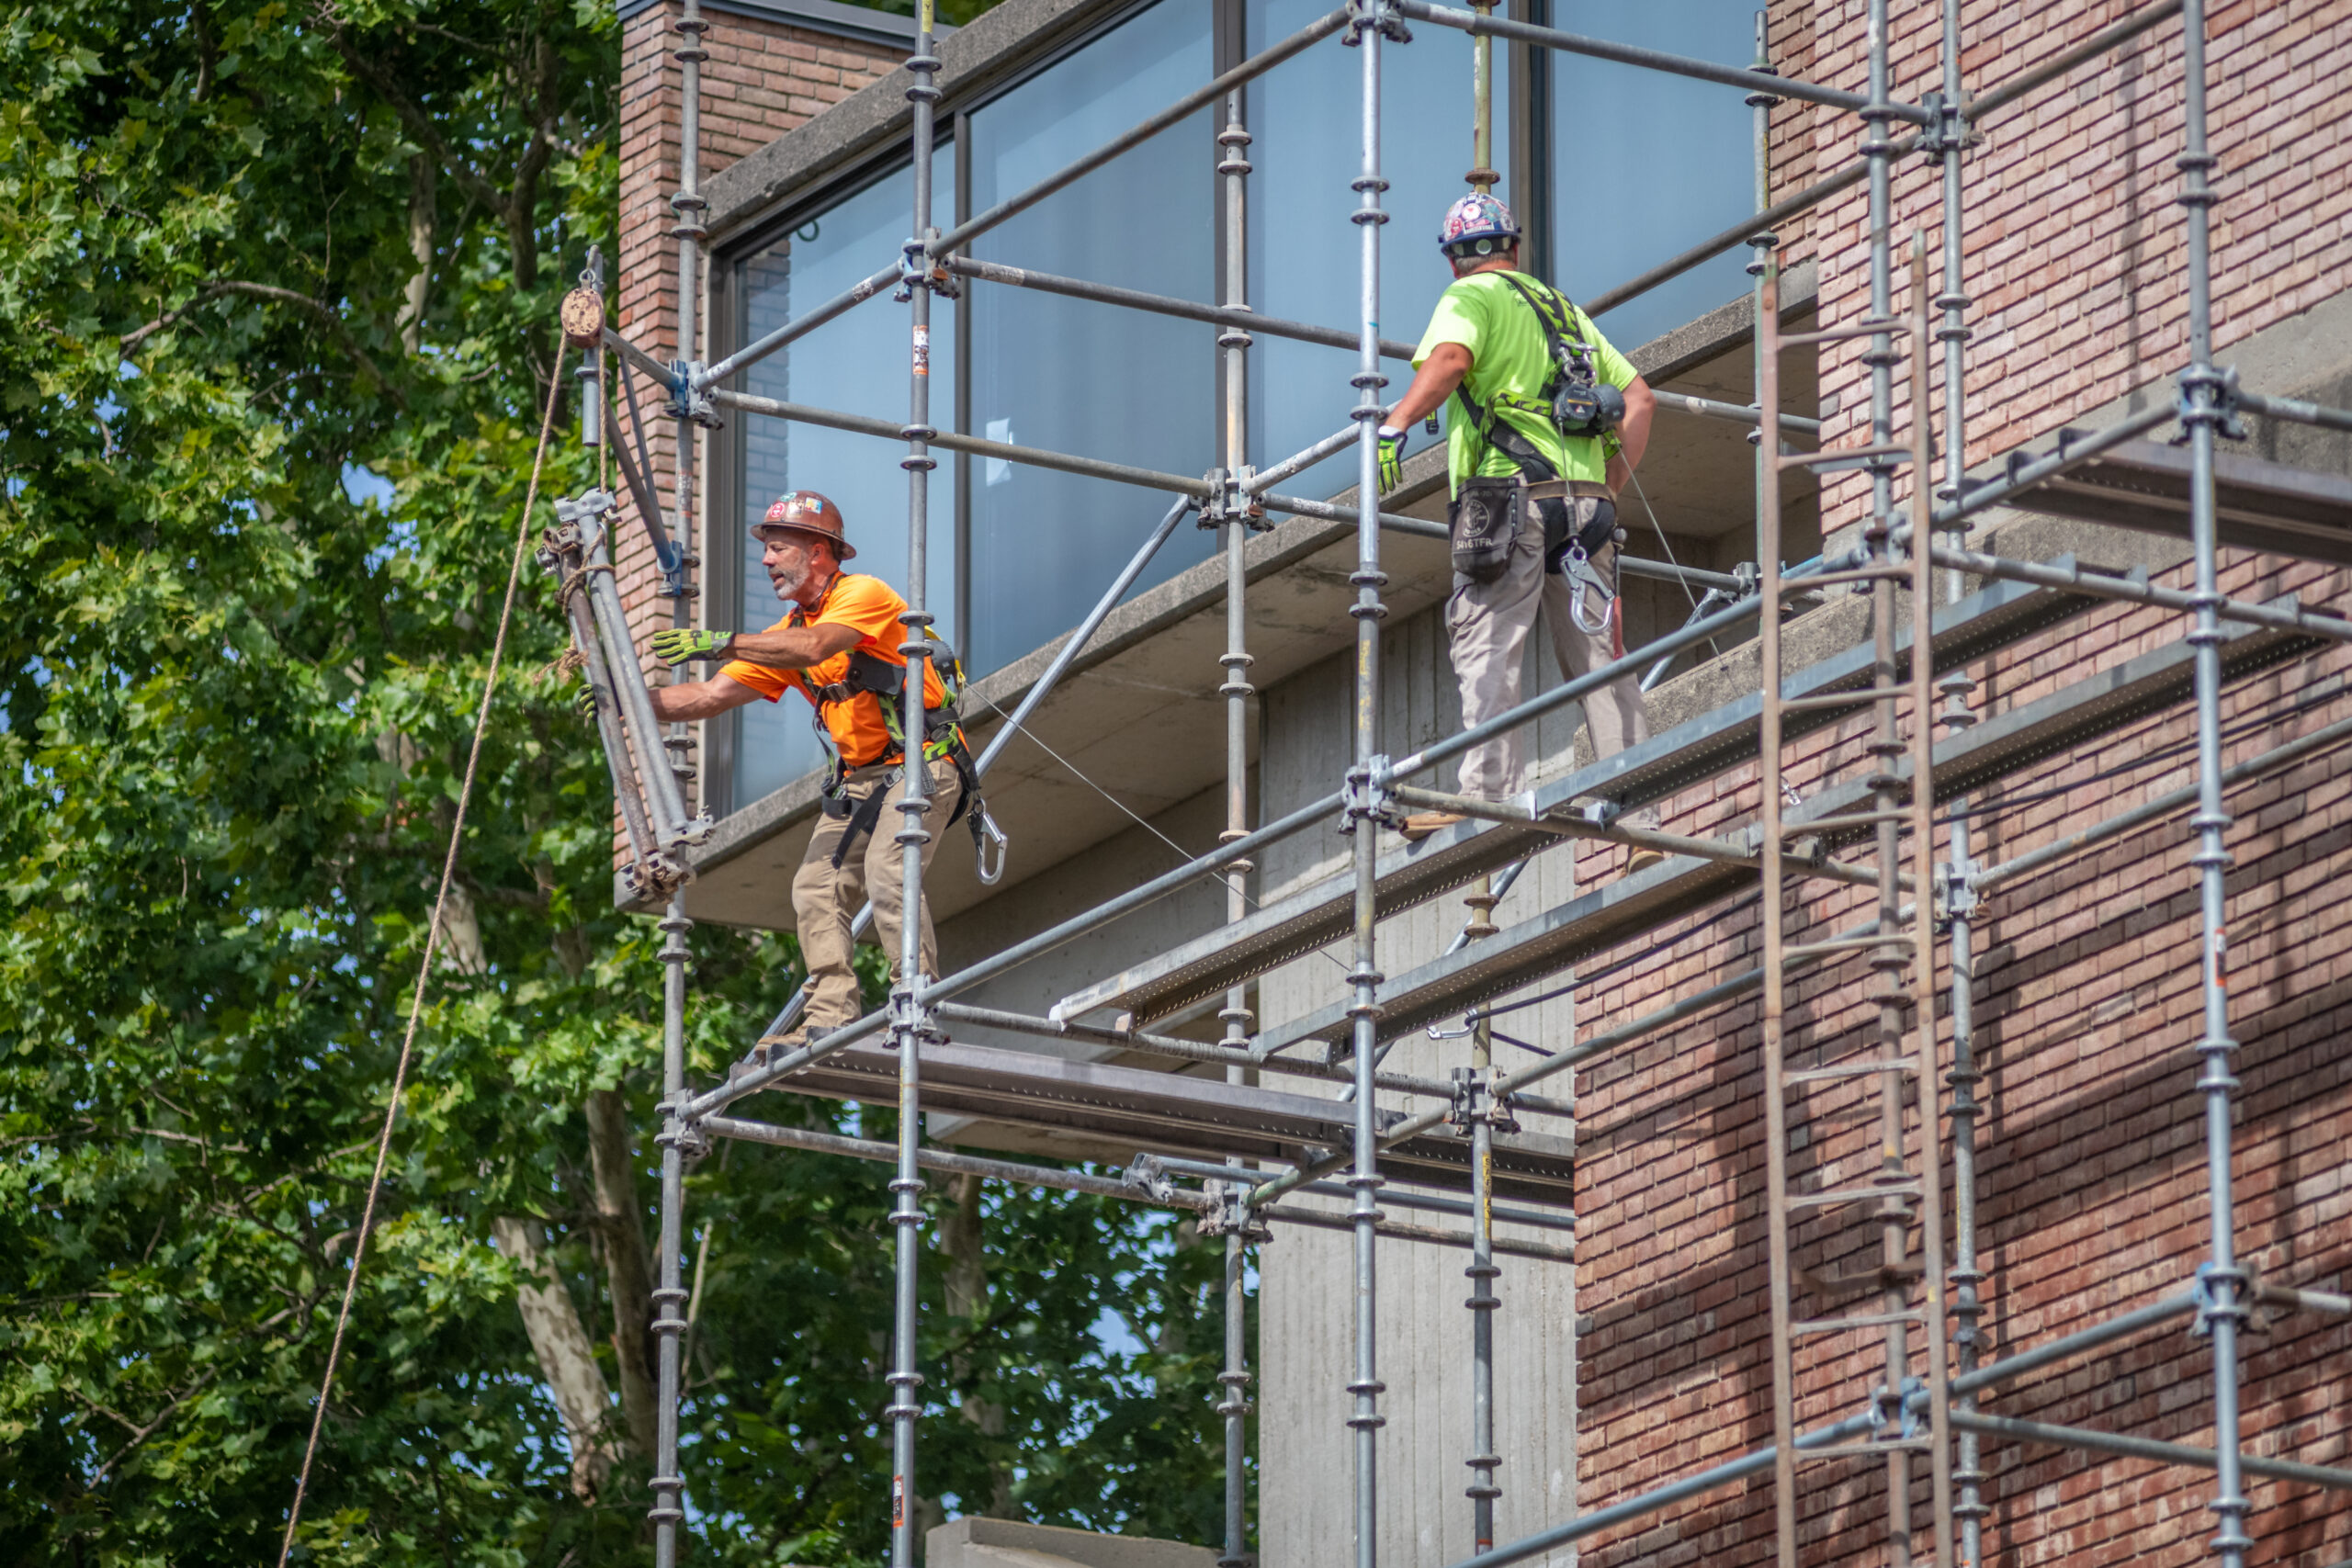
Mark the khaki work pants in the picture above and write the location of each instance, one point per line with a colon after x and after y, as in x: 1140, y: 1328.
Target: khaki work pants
x: 1488, y: 623
x: 826, y: 900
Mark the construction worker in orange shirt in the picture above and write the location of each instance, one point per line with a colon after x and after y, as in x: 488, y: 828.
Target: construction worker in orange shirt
x: 838, y: 647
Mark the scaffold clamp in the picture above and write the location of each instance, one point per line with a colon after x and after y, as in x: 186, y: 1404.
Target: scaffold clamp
x: 2224, y: 411
x: 1365, y: 795
x: 2212, y: 1285
x: 687, y: 398
x: 1229, y: 1214
x: 1380, y: 14
x: 1229, y: 500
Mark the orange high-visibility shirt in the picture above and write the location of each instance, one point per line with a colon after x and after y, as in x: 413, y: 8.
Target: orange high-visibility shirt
x: 871, y: 608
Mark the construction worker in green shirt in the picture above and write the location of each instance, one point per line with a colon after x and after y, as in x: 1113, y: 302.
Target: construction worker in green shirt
x: 1544, y: 421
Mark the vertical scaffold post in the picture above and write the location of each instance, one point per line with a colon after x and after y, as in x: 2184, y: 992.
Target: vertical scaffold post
x: 1922, y: 997
x: 669, y: 1294
x: 1950, y: 138
x: 1233, y: 171
x: 1775, y: 998
x: 1371, y: 21
x: 2203, y: 410
x: 1477, y: 1089
x: 909, y: 1016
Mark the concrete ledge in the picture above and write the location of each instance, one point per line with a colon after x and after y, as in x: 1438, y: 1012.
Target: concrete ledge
x: 1008, y: 1543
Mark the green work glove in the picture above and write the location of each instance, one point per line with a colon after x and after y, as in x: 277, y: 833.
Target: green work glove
x: 679, y: 644
x: 585, y: 701
x: 1392, y: 459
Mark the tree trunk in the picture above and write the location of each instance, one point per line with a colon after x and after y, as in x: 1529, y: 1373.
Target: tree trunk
x: 962, y: 1243
x: 424, y: 188
x: 628, y: 1273
x: 567, y: 1355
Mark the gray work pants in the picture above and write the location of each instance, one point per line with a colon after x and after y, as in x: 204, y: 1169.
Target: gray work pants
x: 825, y: 899
x: 1488, y: 623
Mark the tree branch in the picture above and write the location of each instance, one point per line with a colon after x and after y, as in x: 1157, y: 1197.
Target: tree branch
x: 327, y: 315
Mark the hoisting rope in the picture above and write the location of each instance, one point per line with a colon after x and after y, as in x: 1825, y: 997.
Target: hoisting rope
x: 424, y: 966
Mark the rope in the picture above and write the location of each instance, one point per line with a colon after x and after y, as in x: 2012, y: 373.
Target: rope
x: 425, y: 967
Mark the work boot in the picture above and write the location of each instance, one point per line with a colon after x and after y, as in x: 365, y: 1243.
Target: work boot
x: 1421, y: 824
x: 1641, y: 860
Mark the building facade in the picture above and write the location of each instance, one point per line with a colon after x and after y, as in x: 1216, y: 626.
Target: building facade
x: 1647, y: 1359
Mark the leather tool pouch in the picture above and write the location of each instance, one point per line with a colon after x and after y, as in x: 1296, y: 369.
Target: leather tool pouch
x: 1587, y: 520
x: 1485, y: 517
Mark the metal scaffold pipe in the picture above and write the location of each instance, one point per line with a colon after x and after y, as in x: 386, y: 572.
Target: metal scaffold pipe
x: 910, y: 1018
x: 1478, y: 22
x: 666, y: 797
x: 1372, y: 23
x: 2202, y: 388
x: 1233, y: 458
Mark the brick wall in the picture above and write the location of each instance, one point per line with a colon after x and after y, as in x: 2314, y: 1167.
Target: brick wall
x: 2092, y: 1196
x: 2092, y: 1191
x: 762, y: 80
x: 2076, y: 257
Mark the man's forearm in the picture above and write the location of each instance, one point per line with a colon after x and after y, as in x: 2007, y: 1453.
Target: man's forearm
x: 795, y: 647
x: 1434, y: 382
x: 1633, y: 433
x: 698, y: 699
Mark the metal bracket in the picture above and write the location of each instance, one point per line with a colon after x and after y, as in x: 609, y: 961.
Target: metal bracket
x: 1366, y: 796
x: 581, y: 519
x: 1229, y: 1212
x: 1148, y: 1177
x: 688, y: 1137
x: 1475, y: 1101
x: 918, y: 268
x: 687, y: 398
x: 2207, y: 1288
x: 1955, y: 892
x: 2226, y: 413
x: 1230, y: 501
x: 1381, y: 14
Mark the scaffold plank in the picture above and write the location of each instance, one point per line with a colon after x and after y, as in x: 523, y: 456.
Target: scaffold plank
x: 2258, y: 504
x: 1712, y: 744
x: 1629, y: 907
x: 1133, y: 1109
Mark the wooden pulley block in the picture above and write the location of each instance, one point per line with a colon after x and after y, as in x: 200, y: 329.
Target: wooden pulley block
x: 582, y: 316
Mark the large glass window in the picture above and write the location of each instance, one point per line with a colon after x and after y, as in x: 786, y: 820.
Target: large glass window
x: 1645, y: 166
x: 1304, y: 251
x: 1636, y: 165
x: 855, y: 363
x: 1075, y: 377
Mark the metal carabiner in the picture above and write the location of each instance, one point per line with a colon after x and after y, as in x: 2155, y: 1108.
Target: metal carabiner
x: 1577, y: 568
x: 985, y: 831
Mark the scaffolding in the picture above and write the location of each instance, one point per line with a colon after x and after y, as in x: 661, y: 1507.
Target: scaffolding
x: 1464, y: 1152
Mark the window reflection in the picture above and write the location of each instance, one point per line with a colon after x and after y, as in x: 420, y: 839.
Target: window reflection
x: 855, y: 362
x: 1645, y: 165
x: 1075, y: 377
x: 1303, y: 248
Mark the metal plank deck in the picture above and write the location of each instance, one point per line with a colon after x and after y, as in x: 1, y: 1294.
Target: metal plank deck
x: 1628, y: 908
x: 1159, y: 1112
x: 2258, y: 504
x: 1714, y: 743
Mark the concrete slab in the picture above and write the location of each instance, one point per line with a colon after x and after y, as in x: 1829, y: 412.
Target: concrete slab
x: 1010, y: 1543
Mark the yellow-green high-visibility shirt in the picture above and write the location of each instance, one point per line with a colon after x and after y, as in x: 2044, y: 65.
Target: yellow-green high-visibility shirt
x: 1507, y: 353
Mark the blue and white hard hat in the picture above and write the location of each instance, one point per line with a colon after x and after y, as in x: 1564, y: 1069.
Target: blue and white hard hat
x: 1477, y: 225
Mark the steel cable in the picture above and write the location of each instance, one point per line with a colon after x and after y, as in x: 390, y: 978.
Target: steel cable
x: 425, y: 965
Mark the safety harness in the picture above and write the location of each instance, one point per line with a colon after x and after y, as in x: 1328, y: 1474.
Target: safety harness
x: 871, y: 675
x: 1575, y: 402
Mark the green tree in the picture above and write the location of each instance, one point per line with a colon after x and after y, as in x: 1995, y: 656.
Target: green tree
x: 279, y: 289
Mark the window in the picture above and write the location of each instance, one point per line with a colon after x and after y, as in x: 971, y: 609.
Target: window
x: 1612, y: 169
x: 1072, y: 375
x: 1302, y: 249
x: 852, y: 363
x: 1624, y: 137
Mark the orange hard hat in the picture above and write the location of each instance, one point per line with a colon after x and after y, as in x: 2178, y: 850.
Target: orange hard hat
x: 806, y: 511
